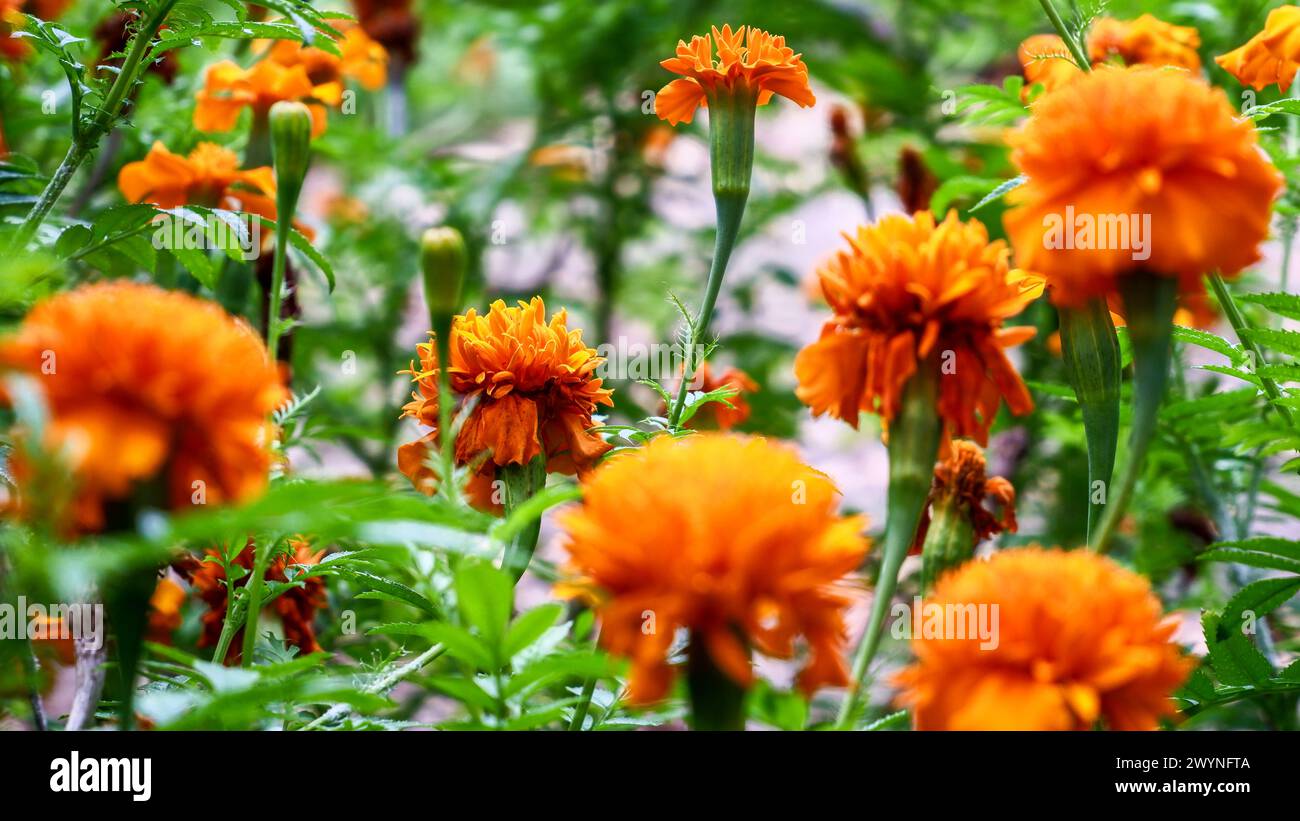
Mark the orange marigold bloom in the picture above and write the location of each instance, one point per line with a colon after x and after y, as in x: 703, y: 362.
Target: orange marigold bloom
x: 704, y: 533
x: 961, y: 478
x: 143, y: 383
x: 1129, y: 143
x: 209, y: 176
x: 165, y: 611
x: 360, y: 59
x: 536, y: 388
x: 909, y: 290
x: 228, y: 89
x: 715, y: 415
x: 746, y: 59
x: 1080, y: 640
x: 296, y: 607
x: 1148, y: 40
x: 1271, y: 57
x: 1045, y: 59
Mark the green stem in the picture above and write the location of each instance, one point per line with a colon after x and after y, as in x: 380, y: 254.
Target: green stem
x: 1149, y: 302
x: 1076, y: 48
x: 446, y: 440
x: 261, y: 557
x: 521, y: 483
x: 584, y: 704
x: 731, y: 157
x: 1241, y: 326
x: 283, y: 220
x: 913, y: 449
x: 1090, y: 349
x: 717, y: 702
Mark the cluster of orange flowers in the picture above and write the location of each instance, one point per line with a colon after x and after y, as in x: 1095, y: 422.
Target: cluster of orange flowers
x: 729, y: 538
x: 288, y: 70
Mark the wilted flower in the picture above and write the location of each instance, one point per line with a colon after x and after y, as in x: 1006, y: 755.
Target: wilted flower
x: 296, y: 606
x: 146, y: 385
x: 730, y: 537
x: 1079, y: 641
x: 1121, y: 143
x: 907, y: 291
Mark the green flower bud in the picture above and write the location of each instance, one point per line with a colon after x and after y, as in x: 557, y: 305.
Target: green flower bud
x: 290, y: 152
x: 443, y: 261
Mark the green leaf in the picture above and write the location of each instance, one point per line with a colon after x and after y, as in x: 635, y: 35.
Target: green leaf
x: 484, y: 596
x: 1286, y: 305
x: 529, y: 627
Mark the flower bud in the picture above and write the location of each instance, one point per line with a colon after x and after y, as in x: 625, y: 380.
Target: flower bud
x: 290, y: 151
x: 443, y: 260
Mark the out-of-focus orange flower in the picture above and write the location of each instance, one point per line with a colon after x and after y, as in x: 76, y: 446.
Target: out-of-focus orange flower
x: 1046, y: 60
x: 535, y: 385
x: 715, y: 415
x: 909, y: 290
x: 209, y: 176
x: 296, y: 607
x: 360, y: 59
x: 1137, y: 154
x: 392, y: 24
x: 1147, y: 40
x: 569, y: 162
x: 165, y: 611
x: 704, y: 534
x: 747, y: 59
x: 53, y: 639
x: 961, y: 479
x: 228, y: 89
x: 1271, y: 57
x: 12, y: 20
x: 144, y: 384
x: 1079, y: 641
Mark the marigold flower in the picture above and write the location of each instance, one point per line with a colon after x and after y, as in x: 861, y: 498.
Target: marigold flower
x: 704, y: 533
x: 961, y: 479
x: 1271, y: 57
x: 1080, y: 640
x: 1148, y: 40
x: 1137, y: 153
x: 143, y: 383
x: 296, y: 607
x: 715, y: 415
x: 747, y: 58
x: 391, y: 23
x: 290, y: 71
x: 209, y: 176
x: 1045, y: 60
x: 535, y: 387
x: 360, y: 59
x: 910, y: 290
x: 165, y: 611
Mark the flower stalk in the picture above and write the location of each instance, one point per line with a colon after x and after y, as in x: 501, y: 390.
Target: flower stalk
x: 1149, y: 301
x: 914, y: 437
x: 731, y: 157
x: 522, y: 482
x: 1090, y: 349
x: 717, y: 702
x: 291, y: 153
